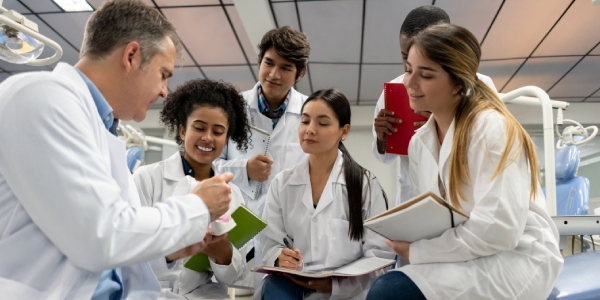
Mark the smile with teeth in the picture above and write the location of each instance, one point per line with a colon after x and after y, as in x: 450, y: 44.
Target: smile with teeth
x: 415, y: 96
x: 205, y: 149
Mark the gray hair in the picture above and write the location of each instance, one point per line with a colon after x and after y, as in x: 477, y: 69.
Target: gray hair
x: 119, y: 22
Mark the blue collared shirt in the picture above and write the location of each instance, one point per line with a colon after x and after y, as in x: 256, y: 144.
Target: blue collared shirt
x: 263, y: 107
x: 110, y: 286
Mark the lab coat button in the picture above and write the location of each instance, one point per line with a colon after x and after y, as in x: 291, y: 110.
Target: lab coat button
x: 434, y: 181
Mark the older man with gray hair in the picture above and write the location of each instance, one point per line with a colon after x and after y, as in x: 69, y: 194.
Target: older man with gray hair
x: 71, y: 225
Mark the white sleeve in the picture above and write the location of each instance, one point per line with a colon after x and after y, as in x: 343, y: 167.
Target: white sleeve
x: 386, y: 158
x: 271, y: 236
x: 236, y: 270
x: 501, y: 203
x: 237, y: 166
x: 144, y: 186
x: 61, y: 177
x: 373, y: 246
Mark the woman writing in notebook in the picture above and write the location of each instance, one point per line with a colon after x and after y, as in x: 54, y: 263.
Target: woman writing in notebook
x: 319, y: 206
x: 473, y: 153
x: 203, y: 115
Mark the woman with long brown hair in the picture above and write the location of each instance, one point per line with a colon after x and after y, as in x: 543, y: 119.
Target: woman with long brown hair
x: 473, y: 153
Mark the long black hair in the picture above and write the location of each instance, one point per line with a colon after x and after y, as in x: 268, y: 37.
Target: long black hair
x: 354, y: 174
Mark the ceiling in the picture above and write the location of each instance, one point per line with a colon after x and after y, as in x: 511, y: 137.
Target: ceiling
x: 552, y: 44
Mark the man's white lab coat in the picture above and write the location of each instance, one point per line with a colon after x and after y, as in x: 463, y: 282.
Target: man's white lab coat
x: 156, y: 183
x: 68, y: 205
x: 508, y: 249
x: 322, y: 233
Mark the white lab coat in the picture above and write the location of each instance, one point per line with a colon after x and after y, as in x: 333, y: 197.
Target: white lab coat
x: 322, y: 233
x: 68, y: 209
x: 284, y: 149
x: 508, y: 249
x: 155, y: 183
x: 388, y: 158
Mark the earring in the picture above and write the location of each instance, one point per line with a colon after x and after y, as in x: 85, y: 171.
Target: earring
x: 343, y: 139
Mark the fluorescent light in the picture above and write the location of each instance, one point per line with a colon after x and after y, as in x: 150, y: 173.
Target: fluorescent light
x: 74, y: 5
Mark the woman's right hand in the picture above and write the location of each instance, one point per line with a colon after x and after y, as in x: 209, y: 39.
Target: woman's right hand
x: 289, y: 259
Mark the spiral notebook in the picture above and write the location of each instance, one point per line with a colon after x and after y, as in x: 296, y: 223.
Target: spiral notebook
x: 396, y: 100
x: 248, y: 226
x: 359, y: 267
x: 260, y: 144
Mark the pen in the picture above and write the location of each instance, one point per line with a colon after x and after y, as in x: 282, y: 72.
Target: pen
x: 287, y: 244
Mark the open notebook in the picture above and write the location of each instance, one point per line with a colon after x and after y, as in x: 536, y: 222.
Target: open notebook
x: 358, y: 267
x: 423, y: 217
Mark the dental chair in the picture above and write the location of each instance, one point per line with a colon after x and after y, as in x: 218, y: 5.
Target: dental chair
x: 580, y: 277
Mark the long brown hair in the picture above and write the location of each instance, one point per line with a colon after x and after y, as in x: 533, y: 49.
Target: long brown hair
x: 458, y: 52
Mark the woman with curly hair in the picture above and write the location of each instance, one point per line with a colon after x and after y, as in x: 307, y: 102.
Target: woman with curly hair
x: 203, y: 115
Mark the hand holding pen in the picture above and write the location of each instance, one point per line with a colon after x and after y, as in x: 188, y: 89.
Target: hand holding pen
x: 290, y: 258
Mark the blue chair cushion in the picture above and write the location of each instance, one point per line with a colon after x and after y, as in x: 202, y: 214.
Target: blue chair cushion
x: 579, y: 278
x: 134, y: 154
x: 566, y: 162
x: 572, y: 197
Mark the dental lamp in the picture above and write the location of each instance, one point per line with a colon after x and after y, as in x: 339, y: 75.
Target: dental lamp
x: 573, y: 135
x: 20, y: 41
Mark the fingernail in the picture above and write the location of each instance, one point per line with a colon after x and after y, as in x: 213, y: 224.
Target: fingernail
x: 393, y: 113
x: 395, y: 130
x: 399, y: 121
x: 415, y: 111
x: 415, y: 123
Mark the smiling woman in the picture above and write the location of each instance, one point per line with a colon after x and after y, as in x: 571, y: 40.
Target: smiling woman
x: 203, y: 115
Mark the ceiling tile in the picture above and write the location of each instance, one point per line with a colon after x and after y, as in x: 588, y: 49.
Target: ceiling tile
x: 542, y: 72
x: 240, y: 77
x: 15, y: 5
x: 500, y: 70
x: 181, y: 75
x: 255, y: 70
x: 39, y: 6
x: 251, y: 51
x: 476, y: 16
x: 596, y: 51
x: 207, y: 34
x: 334, y: 29
x: 342, y: 77
x: 303, y: 86
x: 285, y: 13
x: 597, y: 94
x: 227, y: 1
x: 374, y: 76
x: 70, y: 25
x: 520, y: 26
x: 383, y: 19
x: 582, y: 81
x: 161, y: 3
x: 577, y: 32
x: 568, y: 99
x: 593, y: 99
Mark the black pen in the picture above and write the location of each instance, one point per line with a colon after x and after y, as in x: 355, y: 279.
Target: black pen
x: 287, y: 244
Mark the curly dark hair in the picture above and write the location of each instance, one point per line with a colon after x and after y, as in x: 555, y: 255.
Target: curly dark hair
x: 180, y: 104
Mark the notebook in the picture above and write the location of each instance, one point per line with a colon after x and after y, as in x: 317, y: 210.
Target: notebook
x: 396, y: 100
x: 261, y: 142
x: 248, y: 226
x: 358, y: 267
x: 424, y: 217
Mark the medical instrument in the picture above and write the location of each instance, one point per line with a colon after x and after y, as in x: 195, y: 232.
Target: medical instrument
x: 20, y: 41
x: 567, y: 137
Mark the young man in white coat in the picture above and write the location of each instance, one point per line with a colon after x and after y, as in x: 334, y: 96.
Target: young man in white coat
x: 71, y: 220
x: 417, y: 20
x: 273, y: 106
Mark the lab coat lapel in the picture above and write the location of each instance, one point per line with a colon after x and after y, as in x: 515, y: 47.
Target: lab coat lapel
x: 173, y: 167
x: 118, y: 161
x: 428, y: 135
x: 335, y: 180
x: 294, y: 107
x: 445, y: 153
x: 301, y: 177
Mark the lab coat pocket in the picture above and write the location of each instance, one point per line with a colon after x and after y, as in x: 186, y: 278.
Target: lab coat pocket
x: 342, y: 250
x: 293, y: 155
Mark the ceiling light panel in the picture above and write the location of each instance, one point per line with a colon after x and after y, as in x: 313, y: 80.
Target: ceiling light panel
x: 383, y: 19
x: 182, y: 75
x: 251, y: 51
x: 542, y: 72
x: 334, y: 29
x: 576, y: 34
x: 240, y: 77
x: 476, y: 16
x: 67, y: 5
x: 374, y: 76
x: 596, y: 50
x: 207, y: 35
x: 342, y: 77
x: 520, y: 26
x: 500, y: 70
x: 285, y: 14
x: 71, y: 26
x: 582, y: 81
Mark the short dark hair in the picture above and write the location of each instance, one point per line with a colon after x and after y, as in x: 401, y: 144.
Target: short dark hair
x: 422, y: 17
x: 288, y: 43
x: 193, y: 94
x: 118, y: 22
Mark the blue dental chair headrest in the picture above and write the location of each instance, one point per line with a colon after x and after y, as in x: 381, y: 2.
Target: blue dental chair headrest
x: 566, y: 161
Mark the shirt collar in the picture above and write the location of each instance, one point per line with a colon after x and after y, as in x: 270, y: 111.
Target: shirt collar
x: 188, y: 170
x: 104, y: 109
x: 263, y: 107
